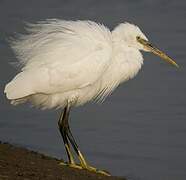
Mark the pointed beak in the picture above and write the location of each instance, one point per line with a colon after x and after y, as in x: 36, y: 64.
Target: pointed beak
x: 149, y: 47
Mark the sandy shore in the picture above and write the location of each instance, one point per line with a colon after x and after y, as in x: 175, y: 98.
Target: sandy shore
x: 17, y: 163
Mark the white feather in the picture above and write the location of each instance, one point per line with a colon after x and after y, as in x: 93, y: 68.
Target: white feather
x: 72, y: 61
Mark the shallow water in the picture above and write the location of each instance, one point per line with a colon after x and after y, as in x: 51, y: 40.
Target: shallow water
x: 139, y: 131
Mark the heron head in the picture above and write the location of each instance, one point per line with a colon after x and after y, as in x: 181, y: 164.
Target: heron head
x: 132, y: 36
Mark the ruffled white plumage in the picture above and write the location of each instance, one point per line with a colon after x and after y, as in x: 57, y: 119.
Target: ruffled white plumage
x: 56, y: 40
x: 69, y: 61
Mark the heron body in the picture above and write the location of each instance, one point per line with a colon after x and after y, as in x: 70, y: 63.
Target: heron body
x: 69, y: 63
x: 75, y: 61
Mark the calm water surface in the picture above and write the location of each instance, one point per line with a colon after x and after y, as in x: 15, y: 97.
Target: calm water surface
x: 140, y: 131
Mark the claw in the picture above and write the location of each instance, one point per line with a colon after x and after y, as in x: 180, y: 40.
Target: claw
x: 70, y: 165
x: 95, y: 170
x: 88, y: 168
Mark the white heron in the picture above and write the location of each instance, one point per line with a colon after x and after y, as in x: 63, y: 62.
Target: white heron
x: 69, y: 63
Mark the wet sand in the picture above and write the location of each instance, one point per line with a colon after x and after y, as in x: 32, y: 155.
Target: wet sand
x: 17, y: 163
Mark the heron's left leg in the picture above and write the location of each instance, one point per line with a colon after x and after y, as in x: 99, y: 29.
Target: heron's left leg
x: 82, y: 160
x: 68, y: 137
x: 62, y: 124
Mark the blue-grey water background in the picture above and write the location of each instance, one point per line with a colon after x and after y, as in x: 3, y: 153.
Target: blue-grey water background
x: 138, y: 132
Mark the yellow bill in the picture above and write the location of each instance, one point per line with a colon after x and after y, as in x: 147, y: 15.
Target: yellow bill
x: 147, y: 45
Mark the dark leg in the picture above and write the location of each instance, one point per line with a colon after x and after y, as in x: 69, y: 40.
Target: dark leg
x: 68, y: 138
x: 76, y: 149
x: 63, y: 123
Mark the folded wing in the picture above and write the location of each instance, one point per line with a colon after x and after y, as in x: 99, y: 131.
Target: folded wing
x: 59, y: 56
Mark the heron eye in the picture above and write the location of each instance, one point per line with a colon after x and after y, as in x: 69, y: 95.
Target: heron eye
x: 138, y: 37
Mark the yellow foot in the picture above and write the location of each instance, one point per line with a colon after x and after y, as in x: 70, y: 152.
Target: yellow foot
x: 95, y: 170
x: 89, y: 168
x: 70, y: 165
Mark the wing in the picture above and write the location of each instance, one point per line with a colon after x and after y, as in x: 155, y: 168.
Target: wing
x: 60, y: 56
x: 56, y: 40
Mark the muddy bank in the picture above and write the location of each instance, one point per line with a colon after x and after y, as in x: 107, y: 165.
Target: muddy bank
x: 17, y: 163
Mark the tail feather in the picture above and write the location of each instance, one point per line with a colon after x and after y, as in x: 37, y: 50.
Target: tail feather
x: 19, y: 87
x: 19, y: 101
